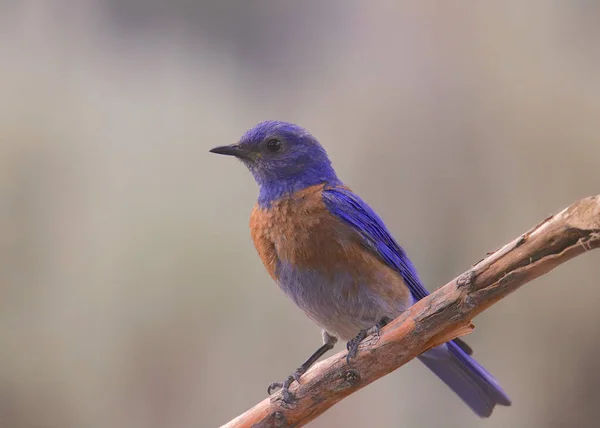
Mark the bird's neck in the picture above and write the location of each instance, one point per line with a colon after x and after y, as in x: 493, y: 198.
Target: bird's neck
x: 273, y: 190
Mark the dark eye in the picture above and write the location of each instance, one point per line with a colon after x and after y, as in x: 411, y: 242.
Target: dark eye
x: 273, y: 145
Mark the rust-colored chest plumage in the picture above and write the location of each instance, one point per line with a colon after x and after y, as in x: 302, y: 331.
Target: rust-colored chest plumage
x: 298, y: 230
x: 323, y: 264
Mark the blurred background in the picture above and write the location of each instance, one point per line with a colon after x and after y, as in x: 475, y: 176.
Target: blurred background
x: 130, y: 291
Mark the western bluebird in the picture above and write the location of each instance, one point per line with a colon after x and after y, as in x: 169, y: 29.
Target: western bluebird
x: 334, y: 257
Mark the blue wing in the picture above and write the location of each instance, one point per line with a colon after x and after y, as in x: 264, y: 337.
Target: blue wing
x: 350, y: 208
x: 465, y: 376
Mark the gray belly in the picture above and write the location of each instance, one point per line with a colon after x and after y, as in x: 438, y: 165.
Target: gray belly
x: 340, y: 304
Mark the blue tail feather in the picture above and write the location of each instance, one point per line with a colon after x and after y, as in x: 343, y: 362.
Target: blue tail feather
x: 466, y: 377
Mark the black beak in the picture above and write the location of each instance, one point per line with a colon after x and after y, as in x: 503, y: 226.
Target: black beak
x: 231, y: 150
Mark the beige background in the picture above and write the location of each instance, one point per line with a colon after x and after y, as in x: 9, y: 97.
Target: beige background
x: 130, y: 293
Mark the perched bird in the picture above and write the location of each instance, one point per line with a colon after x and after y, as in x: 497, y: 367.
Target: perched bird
x: 334, y: 257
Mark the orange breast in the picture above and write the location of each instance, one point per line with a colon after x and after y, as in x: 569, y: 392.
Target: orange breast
x: 300, y: 231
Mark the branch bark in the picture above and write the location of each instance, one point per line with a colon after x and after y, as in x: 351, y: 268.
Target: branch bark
x: 441, y: 316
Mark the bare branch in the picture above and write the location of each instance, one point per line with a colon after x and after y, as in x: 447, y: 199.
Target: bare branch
x: 444, y: 315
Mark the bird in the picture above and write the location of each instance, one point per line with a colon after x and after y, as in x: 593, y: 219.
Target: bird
x: 333, y: 256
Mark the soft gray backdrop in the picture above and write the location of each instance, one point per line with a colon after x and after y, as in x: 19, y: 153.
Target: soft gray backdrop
x: 130, y: 293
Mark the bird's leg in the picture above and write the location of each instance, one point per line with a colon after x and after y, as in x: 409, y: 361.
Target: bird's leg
x: 380, y: 324
x: 328, y: 343
x: 352, y: 344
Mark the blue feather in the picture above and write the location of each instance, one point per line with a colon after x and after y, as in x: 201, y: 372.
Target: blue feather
x: 467, y: 378
x: 300, y: 162
x: 353, y: 210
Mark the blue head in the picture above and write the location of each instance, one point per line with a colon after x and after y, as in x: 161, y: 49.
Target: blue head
x: 283, y: 158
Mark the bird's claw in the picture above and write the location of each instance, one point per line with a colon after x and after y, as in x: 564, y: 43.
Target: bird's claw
x: 273, y: 386
x: 285, y: 385
x: 297, y: 375
x: 375, y: 330
x: 285, y: 389
x: 352, y: 345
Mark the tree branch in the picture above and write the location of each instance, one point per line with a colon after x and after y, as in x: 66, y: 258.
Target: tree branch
x: 443, y: 315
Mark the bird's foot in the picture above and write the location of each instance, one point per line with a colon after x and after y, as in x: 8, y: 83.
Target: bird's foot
x: 380, y: 324
x: 353, y: 344
x: 288, y: 397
